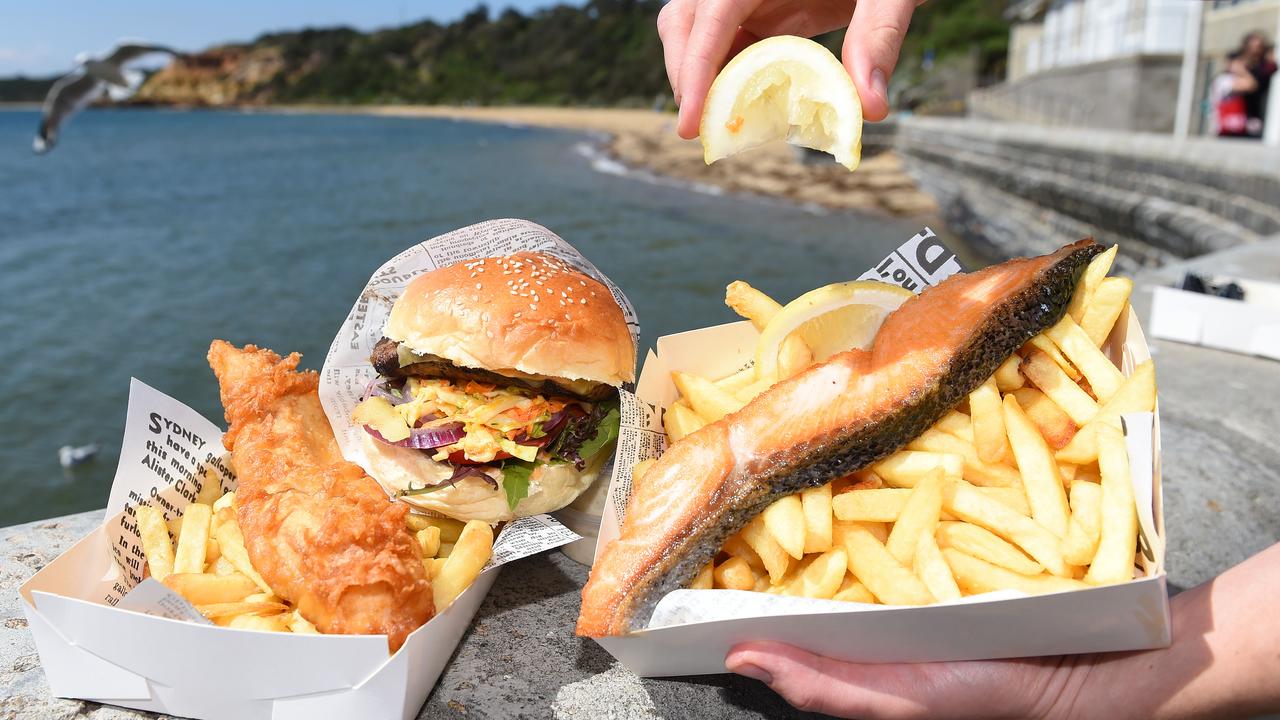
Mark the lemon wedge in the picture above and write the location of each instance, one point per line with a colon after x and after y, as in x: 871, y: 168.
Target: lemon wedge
x: 830, y: 319
x: 783, y: 88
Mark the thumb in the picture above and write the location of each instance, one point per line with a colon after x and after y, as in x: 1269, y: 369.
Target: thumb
x: 817, y: 684
x: 871, y: 48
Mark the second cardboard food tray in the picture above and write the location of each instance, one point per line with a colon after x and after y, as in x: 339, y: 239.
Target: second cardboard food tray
x: 693, y: 630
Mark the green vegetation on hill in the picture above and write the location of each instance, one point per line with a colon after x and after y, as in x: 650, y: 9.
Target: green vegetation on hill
x: 605, y: 53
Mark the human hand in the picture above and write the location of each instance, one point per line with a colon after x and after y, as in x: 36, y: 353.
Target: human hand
x: 1039, y: 687
x: 698, y: 36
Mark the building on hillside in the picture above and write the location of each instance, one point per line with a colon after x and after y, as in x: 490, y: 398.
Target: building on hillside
x: 1116, y: 64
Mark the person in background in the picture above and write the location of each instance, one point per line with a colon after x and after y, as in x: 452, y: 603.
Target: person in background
x: 1227, y: 98
x: 1223, y: 661
x: 1259, y: 61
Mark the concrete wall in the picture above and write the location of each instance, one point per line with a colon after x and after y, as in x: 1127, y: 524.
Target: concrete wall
x: 1024, y: 50
x: 1136, y: 92
x: 1017, y: 189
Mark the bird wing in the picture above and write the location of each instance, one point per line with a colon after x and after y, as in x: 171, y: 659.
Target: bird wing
x: 132, y: 51
x: 69, y: 94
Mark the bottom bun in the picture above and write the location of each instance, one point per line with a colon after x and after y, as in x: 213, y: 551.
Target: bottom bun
x: 551, y: 487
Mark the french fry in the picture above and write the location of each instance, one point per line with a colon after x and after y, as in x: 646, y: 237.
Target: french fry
x: 1105, y: 307
x: 450, y: 529
x: 226, y: 501
x: 300, y: 625
x: 759, y: 308
x: 793, y: 356
x: 737, y: 381
x: 222, y: 566
x: 680, y: 420
x: 1045, y: 374
x: 278, y: 622
x: 872, y: 505
x: 878, y: 530
x: 919, y: 517
x: 929, y: 565
x: 1088, y: 473
x: 976, y: 576
x: 1043, y: 344
x: 444, y: 550
x: 956, y: 423
x: 880, y: 572
x: 1113, y: 563
x: 750, y: 303
x: 212, y: 551
x: 1083, y: 532
x: 231, y: 540
x: 1055, y: 426
x: 470, y: 553
x: 1137, y: 394
x: 1089, y: 282
x: 1008, y: 377
x: 1014, y: 498
x: 975, y: 470
x: 816, y: 503
x: 972, y: 506
x: 201, y: 589
x: 905, y: 467
x: 983, y: 544
x: 194, y: 539
x: 435, y: 566
x: 705, y: 579
x: 710, y: 402
x: 853, y: 591
x: 752, y: 391
x: 772, y: 556
x: 738, y: 547
x: 824, y: 575
x: 214, y: 611
x: 1041, y: 479
x: 429, y: 541
x: 155, y: 541
x: 1103, y: 376
x: 791, y: 582
x: 734, y: 574
x: 785, y: 521
x: 989, y: 436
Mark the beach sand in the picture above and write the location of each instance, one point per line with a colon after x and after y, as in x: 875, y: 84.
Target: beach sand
x: 647, y: 139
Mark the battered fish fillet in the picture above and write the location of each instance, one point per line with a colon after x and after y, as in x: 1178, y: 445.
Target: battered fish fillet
x: 321, y: 533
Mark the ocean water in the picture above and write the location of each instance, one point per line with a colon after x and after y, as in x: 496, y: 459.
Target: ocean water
x: 145, y: 234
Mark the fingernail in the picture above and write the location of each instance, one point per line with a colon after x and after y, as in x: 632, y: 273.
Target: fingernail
x: 754, y: 672
x: 879, y: 85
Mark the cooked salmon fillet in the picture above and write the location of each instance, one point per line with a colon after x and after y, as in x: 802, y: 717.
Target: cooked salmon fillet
x: 321, y: 532
x: 832, y: 419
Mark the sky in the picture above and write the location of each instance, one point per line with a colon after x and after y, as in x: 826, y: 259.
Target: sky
x: 42, y: 38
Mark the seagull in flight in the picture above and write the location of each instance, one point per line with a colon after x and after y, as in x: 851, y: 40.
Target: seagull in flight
x: 91, y: 78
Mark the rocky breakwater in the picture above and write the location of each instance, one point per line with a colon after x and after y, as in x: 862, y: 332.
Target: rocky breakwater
x: 880, y: 184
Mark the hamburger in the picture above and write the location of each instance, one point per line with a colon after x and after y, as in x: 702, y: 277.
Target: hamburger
x: 497, y: 388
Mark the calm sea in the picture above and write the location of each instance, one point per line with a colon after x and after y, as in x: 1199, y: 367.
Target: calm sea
x: 146, y: 234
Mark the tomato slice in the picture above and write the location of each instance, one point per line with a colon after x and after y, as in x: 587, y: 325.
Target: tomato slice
x: 457, y: 457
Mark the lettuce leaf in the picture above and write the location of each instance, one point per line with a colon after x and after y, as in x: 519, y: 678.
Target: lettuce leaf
x: 515, y: 481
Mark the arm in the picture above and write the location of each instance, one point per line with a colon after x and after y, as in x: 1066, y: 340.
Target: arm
x: 1223, y: 662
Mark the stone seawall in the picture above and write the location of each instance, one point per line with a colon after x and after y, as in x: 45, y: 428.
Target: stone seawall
x: 1018, y: 189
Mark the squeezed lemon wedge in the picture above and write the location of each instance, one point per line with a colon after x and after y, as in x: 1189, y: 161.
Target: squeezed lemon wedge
x: 783, y: 88
x: 830, y: 319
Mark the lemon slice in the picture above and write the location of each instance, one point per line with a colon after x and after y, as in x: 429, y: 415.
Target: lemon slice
x: 830, y: 319
x: 785, y: 87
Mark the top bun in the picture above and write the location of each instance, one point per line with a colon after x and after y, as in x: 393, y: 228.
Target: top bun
x: 529, y: 312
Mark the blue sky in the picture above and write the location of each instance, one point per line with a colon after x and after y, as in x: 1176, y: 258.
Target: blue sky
x: 41, y: 38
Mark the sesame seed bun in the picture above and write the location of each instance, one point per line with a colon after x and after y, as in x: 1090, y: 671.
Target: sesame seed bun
x: 530, y: 312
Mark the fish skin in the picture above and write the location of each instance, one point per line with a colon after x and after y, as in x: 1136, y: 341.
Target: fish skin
x: 780, y: 443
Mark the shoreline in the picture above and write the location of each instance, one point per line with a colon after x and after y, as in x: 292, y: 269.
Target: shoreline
x: 646, y: 140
